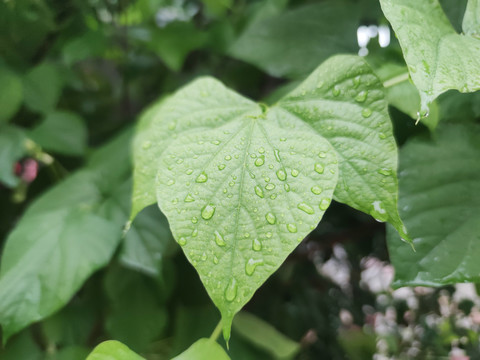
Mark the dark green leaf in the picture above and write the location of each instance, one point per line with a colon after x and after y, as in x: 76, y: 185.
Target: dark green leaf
x: 13, y: 148
x: 11, y: 93
x: 42, y: 87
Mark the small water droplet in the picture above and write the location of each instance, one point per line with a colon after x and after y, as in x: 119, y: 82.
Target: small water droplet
x: 260, y: 160
x: 322, y: 154
x: 170, y: 182
x: 216, y: 142
x: 385, y: 172
x: 270, y: 186
x: 201, y: 178
x: 324, y: 204
x: 268, y: 235
x: 273, y: 196
x: 378, y: 212
x: 317, y: 190
x: 189, y: 198
x: 361, y: 96
x: 366, y: 113
x: 219, y: 239
x: 179, y: 161
x: 286, y: 187
x: 266, y: 178
x: 382, y: 136
x: 306, y: 208
x: 256, y: 245
x: 259, y: 191
x: 228, y: 157
x: 208, y: 211
x: 189, y: 171
x: 276, y: 152
x: 281, y: 175
x: 221, y: 167
x: 251, y: 265
x: 271, y: 219
x: 319, y: 168
x: 336, y: 91
x: 195, y: 232
x: 292, y: 228
x: 294, y: 172
x: 356, y: 81
x: 283, y: 139
x: 215, y: 260
x: 204, y: 256
x: 194, y: 220
x: 231, y: 290
x: 147, y: 145
x: 182, y: 241
x: 261, y: 150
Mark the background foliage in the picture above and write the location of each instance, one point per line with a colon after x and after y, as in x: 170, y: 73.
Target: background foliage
x: 76, y: 75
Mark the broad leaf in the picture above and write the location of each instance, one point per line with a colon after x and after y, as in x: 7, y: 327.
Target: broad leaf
x: 13, y: 148
x: 203, y: 349
x: 265, y: 336
x: 440, y: 203
x: 113, y: 350
x: 471, y: 20
x: 65, y: 235
x: 344, y: 102
x: 11, y: 94
x: 61, y: 132
x: 294, y: 43
x: 438, y: 58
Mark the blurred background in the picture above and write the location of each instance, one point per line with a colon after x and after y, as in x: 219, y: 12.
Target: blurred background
x: 76, y: 74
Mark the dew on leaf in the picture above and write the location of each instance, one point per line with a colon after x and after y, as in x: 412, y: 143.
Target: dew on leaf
x: 170, y: 182
x: 356, y: 81
x: 268, y: 235
x: 182, y: 241
x: 231, y: 290
x: 194, y: 220
x: 256, y: 245
x: 204, y: 256
x: 324, y: 204
x: 194, y: 232
x: 366, y: 113
x: 189, y: 198
x: 319, y: 168
x: 271, y: 218
x: 260, y: 160
x: 221, y: 166
x: 336, y: 91
x: 281, y: 175
x: 306, y: 208
x: 292, y: 228
x: 322, y: 154
x: 147, y: 145
x: 266, y: 178
x: 283, y: 139
x: 228, y: 157
x: 276, y: 152
x: 208, y: 211
x: 385, y: 172
x: 286, y: 187
x: 259, y: 191
x: 361, y: 96
x: 219, y: 239
x: 317, y: 190
x: 251, y: 265
x: 261, y: 150
x: 294, y: 172
x: 270, y: 186
x: 216, y: 142
x: 382, y: 136
x: 189, y: 171
x: 215, y: 260
x: 201, y: 178
x: 273, y: 196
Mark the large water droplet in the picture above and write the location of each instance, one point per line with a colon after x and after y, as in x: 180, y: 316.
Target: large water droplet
x: 219, y: 239
x: 319, y: 168
x: 251, y: 265
x: 292, y: 228
x: 317, y: 190
x: 201, y: 178
x: 260, y: 160
x: 256, y: 245
x: 276, y: 152
x: 270, y: 186
x: 271, y: 219
x: 385, y: 172
x: 231, y: 290
x: 366, y: 113
x: 306, y: 208
x: 281, y: 175
x: 361, y: 96
x: 324, y: 204
x: 259, y: 191
x: 189, y: 198
x: 208, y: 211
x: 182, y: 241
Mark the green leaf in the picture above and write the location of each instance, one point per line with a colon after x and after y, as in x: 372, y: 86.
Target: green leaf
x: 66, y: 234
x: 113, y: 350
x: 440, y: 203
x: 11, y: 95
x: 203, y: 349
x: 471, y: 20
x: 42, y: 87
x: 61, y: 132
x: 88, y: 45
x: 294, y: 43
x: 12, y: 143
x: 265, y: 336
x: 428, y: 41
x: 344, y: 102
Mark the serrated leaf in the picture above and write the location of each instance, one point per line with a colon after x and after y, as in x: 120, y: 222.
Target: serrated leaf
x: 293, y: 43
x: 440, y: 204
x: 65, y: 235
x: 428, y: 41
x: 345, y: 103
x: 12, y: 145
x: 265, y: 336
x: 471, y: 20
x: 203, y: 349
x: 113, y: 350
x: 11, y: 95
x: 61, y: 131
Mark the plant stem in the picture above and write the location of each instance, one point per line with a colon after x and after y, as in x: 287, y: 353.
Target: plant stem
x: 217, y: 331
x: 396, y: 80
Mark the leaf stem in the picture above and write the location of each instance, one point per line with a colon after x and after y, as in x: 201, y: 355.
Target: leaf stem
x: 216, y: 333
x: 396, y: 80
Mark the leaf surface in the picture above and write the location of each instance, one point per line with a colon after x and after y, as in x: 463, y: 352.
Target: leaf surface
x: 12, y: 145
x: 113, y: 350
x: 11, y: 95
x: 440, y: 204
x: 203, y: 349
x: 471, y: 20
x: 438, y: 58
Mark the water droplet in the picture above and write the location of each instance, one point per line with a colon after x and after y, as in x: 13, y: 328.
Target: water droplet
x: 219, y: 239
x: 322, y: 154
x: 294, y: 172
x: 319, y: 168
x: 317, y: 190
x: 221, y: 166
x: 260, y: 161
x: 147, y: 145
x: 231, y: 290
x: 170, y: 182
x: 256, y: 245
x: 261, y: 150
x: 182, y: 241
x: 385, y: 172
x: 271, y: 219
x: 215, y: 260
x: 319, y: 84
x: 292, y: 228
x: 189, y: 171
x: 216, y: 142
x: 324, y: 204
x: 228, y: 157
x: 259, y: 191
x: 306, y: 208
x: 336, y: 91
x: 356, y: 81
x: 378, y: 212
x: 283, y: 139
x: 366, y: 113
x: 172, y: 125
x: 268, y: 235
x: 208, y: 211
x: 194, y: 232
x: 361, y: 96
x: 194, y: 220
x: 281, y: 175
x: 273, y: 196
x: 189, y: 198
x: 382, y: 136
x: 204, y: 256
x: 286, y: 187
x: 276, y: 152
x: 179, y: 161
x: 251, y: 265
x: 266, y: 178
x: 270, y: 186
x: 174, y: 201
x: 201, y: 178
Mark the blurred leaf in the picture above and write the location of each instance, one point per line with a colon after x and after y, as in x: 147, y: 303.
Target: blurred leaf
x: 88, y: 45
x: 203, y: 349
x: 11, y: 94
x: 69, y: 353
x: 12, y: 149
x: 21, y: 347
x: 357, y: 344
x: 293, y: 43
x: 265, y: 336
x: 61, y: 132
x: 440, y: 204
x: 65, y: 235
x: 136, y: 316
x: 42, y: 87
x: 438, y: 58
x: 217, y: 7
x: 113, y: 350
x: 471, y: 21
